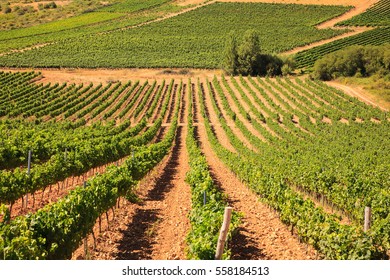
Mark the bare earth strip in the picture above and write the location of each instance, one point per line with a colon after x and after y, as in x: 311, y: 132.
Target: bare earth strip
x: 104, y: 76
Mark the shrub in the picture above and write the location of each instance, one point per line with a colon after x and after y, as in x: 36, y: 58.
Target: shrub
x: 354, y: 61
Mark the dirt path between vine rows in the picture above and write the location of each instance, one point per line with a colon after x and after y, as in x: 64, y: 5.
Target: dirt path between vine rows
x: 159, y: 226
x: 156, y: 227
x: 261, y: 235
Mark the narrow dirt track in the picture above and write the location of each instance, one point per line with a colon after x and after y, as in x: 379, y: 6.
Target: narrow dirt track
x: 262, y: 234
x: 156, y: 227
x: 159, y: 225
x: 220, y: 133
x: 355, y: 93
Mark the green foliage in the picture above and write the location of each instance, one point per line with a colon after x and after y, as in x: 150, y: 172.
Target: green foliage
x: 206, y: 219
x: 131, y: 6
x: 56, y: 230
x: 279, y: 168
x: 192, y: 39
x: 355, y: 60
x: 87, y: 147
x: 248, y: 54
x: 60, y: 25
x: 377, y: 15
x: 246, y: 58
x: 374, y: 37
x: 230, y: 64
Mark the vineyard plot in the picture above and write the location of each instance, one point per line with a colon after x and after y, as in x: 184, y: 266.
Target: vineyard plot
x: 317, y: 157
x: 192, y: 39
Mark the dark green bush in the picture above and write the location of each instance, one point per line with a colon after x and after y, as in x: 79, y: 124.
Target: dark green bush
x: 362, y: 61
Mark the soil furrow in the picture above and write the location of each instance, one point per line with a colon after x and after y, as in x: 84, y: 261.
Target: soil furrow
x: 212, y: 116
x: 262, y: 234
x: 228, y: 119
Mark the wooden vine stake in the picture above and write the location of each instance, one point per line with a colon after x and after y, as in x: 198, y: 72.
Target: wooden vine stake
x: 28, y: 172
x: 223, y: 233
x: 367, y: 218
x: 86, y: 253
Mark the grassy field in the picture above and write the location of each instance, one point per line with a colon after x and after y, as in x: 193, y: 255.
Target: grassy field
x: 130, y: 6
x: 22, y: 13
x: 76, y: 27
x: 60, y: 25
x: 193, y: 39
x: 376, y: 88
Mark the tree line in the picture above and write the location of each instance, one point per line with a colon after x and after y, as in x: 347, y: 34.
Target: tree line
x: 360, y: 61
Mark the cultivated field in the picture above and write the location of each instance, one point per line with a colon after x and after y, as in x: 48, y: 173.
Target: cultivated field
x: 230, y: 119
x: 123, y: 138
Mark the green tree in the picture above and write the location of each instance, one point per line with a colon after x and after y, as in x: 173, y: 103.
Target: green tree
x: 230, y: 63
x: 249, y: 53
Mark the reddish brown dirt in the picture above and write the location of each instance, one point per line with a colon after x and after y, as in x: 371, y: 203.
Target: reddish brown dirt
x: 160, y: 224
x: 84, y: 75
x: 220, y: 133
x: 54, y: 192
x: 261, y: 235
x: 242, y: 118
x: 229, y: 120
x: 156, y: 227
x: 173, y: 228
x: 114, y: 228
